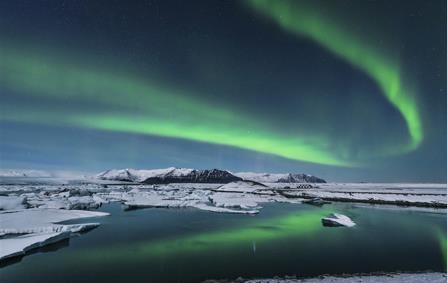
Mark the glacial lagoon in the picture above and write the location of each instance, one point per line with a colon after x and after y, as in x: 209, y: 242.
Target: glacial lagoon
x: 190, y: 245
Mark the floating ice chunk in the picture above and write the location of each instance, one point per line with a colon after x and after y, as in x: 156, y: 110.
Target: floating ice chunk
x: 12, y: 247
x: 224, y: 210
x: 335, y: 219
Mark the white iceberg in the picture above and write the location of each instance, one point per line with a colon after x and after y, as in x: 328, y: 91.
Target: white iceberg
x: 336, y: 219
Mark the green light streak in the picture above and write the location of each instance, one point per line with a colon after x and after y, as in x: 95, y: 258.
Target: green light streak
x: 442, y: 237
x: 299, y: 19
x: 292, y: 225
x: 140, y: 106
x: 127, y: 103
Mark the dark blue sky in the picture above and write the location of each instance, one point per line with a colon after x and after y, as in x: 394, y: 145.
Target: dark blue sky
x: 223, y: 65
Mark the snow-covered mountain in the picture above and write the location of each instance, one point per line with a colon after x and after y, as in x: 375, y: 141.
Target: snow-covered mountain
x: 26, y: 173
x: 185, y: 175
x: 169, y: 175
x: 135, y: 175
x: 279, y: 177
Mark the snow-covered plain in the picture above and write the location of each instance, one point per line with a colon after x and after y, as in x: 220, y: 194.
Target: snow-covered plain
x: 279, y: 177
x: 416, y: 195
x: 388, y: 278
x: 29, y: 212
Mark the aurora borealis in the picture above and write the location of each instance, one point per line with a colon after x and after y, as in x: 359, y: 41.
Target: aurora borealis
x: 307, y: 22
x: 256, y: 85
x: 158, y: 115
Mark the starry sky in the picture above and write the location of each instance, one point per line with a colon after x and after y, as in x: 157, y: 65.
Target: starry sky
x: 346, y: 90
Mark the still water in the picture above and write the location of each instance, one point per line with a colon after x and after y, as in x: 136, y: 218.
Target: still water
x: 188, y: 245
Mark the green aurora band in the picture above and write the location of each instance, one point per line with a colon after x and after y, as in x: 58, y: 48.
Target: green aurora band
x: 300, y: 19
x: 442, y: 238
x: 124, y: 102
x: 139, y: 106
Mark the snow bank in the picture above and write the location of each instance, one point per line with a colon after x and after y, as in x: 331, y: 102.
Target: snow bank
x: 387, y: 278
x: 22, y: 230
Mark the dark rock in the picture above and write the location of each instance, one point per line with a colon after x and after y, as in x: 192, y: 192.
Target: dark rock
x: 316, y: 201
x: 196, y: 176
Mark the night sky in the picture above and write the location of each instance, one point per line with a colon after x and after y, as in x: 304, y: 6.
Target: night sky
x: 345, y: 90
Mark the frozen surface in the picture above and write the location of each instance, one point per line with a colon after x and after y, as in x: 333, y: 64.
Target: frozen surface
x: 30, y: 218
x: 388, y: 278
x: 209, y: 199
x: 234, y: 197
x: 418, y: 195
x: 25, y: 229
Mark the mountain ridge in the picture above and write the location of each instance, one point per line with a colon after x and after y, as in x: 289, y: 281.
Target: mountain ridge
x: 186, y: 175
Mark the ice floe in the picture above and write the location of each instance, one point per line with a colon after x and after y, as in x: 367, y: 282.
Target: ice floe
x: 25, y: 229
x: 336, y: 219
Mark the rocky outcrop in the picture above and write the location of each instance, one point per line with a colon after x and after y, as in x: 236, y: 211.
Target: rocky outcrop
x: 195, y: 176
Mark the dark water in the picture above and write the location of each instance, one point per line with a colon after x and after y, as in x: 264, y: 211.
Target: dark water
x: 188, y: 245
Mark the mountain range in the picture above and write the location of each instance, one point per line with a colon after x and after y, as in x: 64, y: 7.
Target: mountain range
x: 184, y: 175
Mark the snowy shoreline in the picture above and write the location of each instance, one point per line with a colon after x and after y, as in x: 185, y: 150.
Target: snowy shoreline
x: 433, y: 277
x: 408, y: 195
